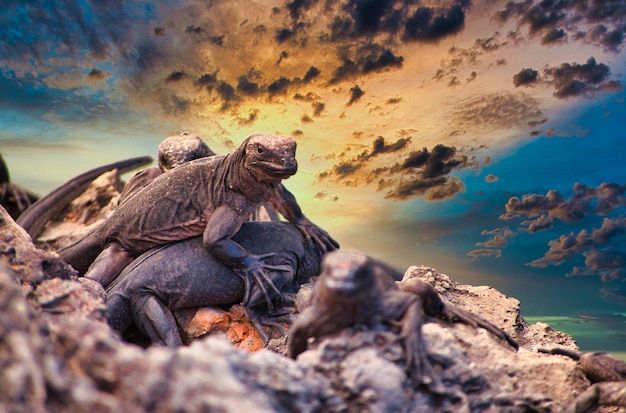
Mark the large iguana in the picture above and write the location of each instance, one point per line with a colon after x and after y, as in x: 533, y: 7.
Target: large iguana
x: 211, y: 197
x: 182, y: 275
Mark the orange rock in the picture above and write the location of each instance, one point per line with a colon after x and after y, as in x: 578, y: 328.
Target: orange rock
x: 234, y: 323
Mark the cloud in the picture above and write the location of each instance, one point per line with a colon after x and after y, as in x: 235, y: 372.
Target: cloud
x: 364, y: 59
x: 608, y: 262
x: 494, y: 245
x: 485, y: 253
x: 498, y: 241
x: 599, y: 23
x: 601, y: 200
x: 97, y: 75
x: 525, y: 77
x: 426, y: 25
x: 354, y: 18
x: 543, y: 222
x: 355, y: 94
x: 571, y: 79
x: 420, y: 173
x: 502, y: 110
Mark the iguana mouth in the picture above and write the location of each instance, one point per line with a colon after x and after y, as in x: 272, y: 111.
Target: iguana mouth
x: 278, y: 170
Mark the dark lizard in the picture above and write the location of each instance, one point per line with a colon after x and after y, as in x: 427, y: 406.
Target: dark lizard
x: 13, y: 198
x: 606, y: 373
x: 182, y: 275
x: 38, y: 214
x: 211, y: 197
x: 354, y: 289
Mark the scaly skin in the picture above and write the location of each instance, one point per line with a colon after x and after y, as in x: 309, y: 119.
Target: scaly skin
x: 607, y: 374
x: 355, y: 289
x: 183, y: 275
x: 211, y: 197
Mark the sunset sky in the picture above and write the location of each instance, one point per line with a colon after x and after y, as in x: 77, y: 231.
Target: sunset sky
x: 484, y: 138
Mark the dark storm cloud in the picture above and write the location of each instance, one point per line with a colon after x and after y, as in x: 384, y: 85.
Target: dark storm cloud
x: 425, y: 24
x: 421, y: 173
x: 554, y: 36
x: 601, y: 200
x: 379, y: 146
x: 358, y: 18
x: 572, y: 79
x: 175, y: 76
x: 251, y: 85
x: 595, y: 22
x: 525, y: 77
x: 355, y: 94
x: 363, y: 60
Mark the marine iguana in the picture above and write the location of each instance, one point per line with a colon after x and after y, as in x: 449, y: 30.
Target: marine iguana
x: 183, y: 275
x: 35, y: 217
x: 173, y: 151
x: 354, y: 289
x: 597, y: 366
x: 607, y: 374
x: 210, y: 196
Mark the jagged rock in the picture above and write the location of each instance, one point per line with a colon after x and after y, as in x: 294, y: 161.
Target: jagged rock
x: 58, y: 354
x: 31, y: 264
x: 493, y: 306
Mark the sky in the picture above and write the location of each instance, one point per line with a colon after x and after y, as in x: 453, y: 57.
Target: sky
x: 483, y: 138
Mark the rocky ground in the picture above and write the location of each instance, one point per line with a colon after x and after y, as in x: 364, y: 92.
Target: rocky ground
x: 57, y: 354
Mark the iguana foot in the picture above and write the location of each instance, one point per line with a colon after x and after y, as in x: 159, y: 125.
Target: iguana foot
x: 256, y: 270
x: 272, y: 319
x: 317, y: 235
x: 599, y: 394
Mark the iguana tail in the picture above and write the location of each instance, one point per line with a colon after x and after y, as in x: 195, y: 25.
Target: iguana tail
x: 38, y: 214
x: 82, y: 253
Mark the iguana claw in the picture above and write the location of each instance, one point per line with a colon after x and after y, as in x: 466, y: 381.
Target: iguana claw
x: 256, y: 270
x: 321, y: 238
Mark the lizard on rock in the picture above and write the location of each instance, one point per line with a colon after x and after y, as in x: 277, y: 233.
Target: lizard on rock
x: 354, y: 289
x: 182, y: 275
x: 211, y: 197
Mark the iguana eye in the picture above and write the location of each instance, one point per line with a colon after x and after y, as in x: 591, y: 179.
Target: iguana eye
x: 259, y: 150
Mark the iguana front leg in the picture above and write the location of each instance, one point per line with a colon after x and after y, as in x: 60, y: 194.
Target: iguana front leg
x: 286, y: 204
x: 223, y: 224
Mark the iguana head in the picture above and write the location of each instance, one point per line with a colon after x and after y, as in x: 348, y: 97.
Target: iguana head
x: 354, y: 274
x: 346, y: 273
x: 270, y: 157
